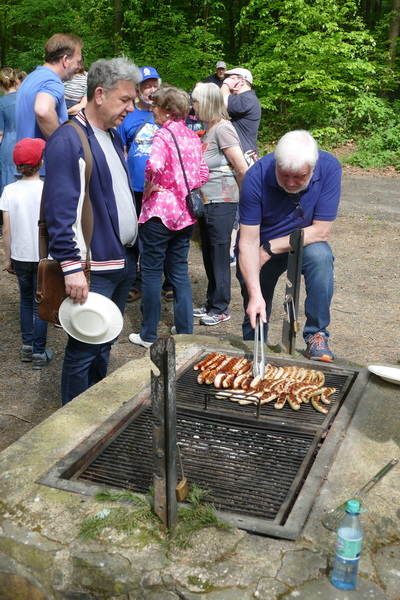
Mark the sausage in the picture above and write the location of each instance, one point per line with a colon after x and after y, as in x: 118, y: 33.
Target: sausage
x: 293, y: 401
x: 319, y: 407
x: 203, y: 363
x: 224, y: 371
x: 219, y: 368
x: 280, y: 403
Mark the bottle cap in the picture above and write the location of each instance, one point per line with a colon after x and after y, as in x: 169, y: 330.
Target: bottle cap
x: 353, y: 507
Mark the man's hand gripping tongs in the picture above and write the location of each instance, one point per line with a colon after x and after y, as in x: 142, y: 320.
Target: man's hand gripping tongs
x: 259, y: 367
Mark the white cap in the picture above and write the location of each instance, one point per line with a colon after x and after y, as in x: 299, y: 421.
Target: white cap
x: 245, y: 73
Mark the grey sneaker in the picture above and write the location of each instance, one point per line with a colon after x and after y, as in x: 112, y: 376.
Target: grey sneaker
x: 41, y: 360
x: 26, y: 353
x: 199, y: 312
x: 214, y: 319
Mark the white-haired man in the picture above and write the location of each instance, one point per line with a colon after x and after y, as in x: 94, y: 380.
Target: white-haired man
x: 295, y: 187
x: 111, y: 91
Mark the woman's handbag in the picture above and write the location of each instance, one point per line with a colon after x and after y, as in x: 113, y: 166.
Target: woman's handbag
x: 50, y: 289
x: 194, y: 199
x: 195, y: 203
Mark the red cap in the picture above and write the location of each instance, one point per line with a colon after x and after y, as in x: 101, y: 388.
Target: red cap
x: 28, y: 151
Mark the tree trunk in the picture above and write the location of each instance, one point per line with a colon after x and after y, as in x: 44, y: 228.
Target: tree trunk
x: 394, y: 32
x: 119, y: 14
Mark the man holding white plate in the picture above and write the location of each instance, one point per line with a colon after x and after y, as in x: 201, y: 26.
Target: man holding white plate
x: 111, y: 90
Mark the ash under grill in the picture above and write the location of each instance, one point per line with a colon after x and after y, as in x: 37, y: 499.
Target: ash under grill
x: 263, y: 469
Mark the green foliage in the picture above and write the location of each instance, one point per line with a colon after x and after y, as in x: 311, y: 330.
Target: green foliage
x: 178, y: 49
x: 322, y: 65
x: 379, y: 149
x: 139, y: 520
x: 194, y: 517
x: 311, y: 61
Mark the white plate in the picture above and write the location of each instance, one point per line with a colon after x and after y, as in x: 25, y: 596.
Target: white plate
x: 97, y: 321
x: 390, y: 374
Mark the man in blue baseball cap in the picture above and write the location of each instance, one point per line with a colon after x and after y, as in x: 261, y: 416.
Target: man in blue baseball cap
x: 137, y: 132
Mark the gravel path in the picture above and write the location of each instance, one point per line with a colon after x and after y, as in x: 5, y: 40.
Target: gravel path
x: 365, y: 314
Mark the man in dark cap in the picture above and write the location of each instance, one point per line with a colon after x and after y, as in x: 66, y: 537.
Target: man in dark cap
x: 218, y: 76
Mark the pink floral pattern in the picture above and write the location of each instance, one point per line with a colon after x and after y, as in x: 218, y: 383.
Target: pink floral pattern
x: 164, y: 171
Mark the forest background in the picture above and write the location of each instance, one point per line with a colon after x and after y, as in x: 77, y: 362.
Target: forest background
x: 329, y: 66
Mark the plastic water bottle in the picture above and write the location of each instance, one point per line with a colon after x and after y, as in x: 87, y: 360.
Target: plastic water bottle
x: 348, y: 548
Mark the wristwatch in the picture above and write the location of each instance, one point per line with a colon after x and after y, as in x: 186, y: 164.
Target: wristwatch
x: 267, y: 248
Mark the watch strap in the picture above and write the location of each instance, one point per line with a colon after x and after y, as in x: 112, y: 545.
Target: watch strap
x: 267, y: 248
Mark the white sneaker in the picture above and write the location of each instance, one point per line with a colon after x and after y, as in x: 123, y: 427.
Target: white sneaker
x: 136, y: 339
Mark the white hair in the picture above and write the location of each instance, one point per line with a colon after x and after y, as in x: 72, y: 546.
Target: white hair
x: 295, y: 149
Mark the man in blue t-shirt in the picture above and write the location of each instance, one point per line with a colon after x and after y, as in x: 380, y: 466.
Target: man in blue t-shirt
x: 40, y: 107
x: 296, y: 187
x: 137, y: 132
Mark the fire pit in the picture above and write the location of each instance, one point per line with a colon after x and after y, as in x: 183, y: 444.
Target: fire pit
x: 264, y: 467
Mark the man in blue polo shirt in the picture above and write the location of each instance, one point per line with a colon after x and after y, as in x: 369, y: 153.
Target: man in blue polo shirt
x: 296, y: 187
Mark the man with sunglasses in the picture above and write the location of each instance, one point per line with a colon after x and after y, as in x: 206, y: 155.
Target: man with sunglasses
x: 295, y: 187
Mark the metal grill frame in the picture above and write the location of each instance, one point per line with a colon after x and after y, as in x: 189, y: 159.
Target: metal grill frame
x: 65, y: 473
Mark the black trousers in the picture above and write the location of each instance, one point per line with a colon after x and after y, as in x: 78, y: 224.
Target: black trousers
x: 215, y: 232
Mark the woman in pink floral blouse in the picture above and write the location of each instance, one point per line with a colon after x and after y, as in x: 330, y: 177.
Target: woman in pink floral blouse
x: 166, y: 225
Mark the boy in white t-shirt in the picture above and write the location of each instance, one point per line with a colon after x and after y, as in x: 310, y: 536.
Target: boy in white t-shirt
x: 20, y: 203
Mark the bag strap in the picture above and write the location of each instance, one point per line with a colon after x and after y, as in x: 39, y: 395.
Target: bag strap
x: 180, y: 158
x: 87, y: 212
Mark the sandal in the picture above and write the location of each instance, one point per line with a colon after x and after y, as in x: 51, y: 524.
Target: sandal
x: 134, y: 294
x: 169, y: 295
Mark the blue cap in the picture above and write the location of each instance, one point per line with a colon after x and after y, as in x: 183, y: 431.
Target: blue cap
x: 148, y: 73
x: 353, y: 507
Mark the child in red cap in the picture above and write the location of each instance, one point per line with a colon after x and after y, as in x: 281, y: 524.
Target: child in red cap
x: 20, y: 203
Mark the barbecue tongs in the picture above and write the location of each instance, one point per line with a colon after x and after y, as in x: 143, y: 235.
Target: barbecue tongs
x: 259, y: 367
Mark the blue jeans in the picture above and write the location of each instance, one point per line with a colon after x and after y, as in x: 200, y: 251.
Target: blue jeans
x: 86, y: 364
x: 317, y: 269
x: 215, y: 230
x: 162, y: 245
x: 33, y: 329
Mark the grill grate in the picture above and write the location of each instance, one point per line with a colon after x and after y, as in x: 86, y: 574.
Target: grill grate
x: 193, y: 396
x: 264, y: 470
x: 249, y: 469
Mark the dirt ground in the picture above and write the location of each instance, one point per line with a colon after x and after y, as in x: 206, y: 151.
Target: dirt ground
x: 364, y: 322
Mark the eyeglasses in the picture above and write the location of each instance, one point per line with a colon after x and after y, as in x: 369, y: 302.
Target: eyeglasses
x: 298, y: 211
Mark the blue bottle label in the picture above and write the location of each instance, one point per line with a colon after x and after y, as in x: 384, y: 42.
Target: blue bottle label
x: 349, y: 549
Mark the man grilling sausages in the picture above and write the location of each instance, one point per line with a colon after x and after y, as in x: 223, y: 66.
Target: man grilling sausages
x: 295, y: 187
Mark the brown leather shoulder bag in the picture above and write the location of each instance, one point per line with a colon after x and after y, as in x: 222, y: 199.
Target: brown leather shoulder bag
x: 50, y: 290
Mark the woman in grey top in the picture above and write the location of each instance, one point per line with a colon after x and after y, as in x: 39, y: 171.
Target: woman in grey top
x: 224, y: 158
